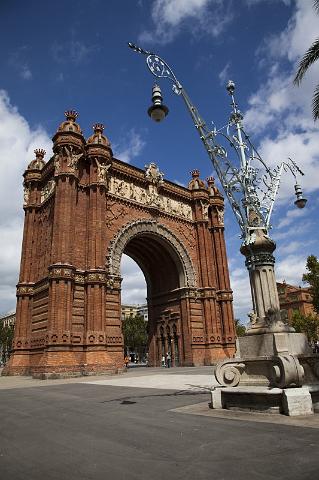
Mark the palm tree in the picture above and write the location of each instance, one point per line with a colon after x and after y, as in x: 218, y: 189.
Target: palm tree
x: 311, y: 55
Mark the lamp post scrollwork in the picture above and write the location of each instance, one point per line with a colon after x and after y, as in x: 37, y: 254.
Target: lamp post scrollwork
x: 250, y: 186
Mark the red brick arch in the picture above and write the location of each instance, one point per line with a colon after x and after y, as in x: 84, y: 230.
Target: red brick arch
x: 84, y: 205
x: 151, y: 228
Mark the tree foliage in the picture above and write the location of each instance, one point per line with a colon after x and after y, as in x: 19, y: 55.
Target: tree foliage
x: 240, y: 328
x: 311, y: 56
x: 135, y: 332
x: 6, y: 337
x: 312, y: 277
x: 308, y: 324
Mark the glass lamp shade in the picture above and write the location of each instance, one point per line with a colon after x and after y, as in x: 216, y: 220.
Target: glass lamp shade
x: 300, y: 202
x: 157, y: 112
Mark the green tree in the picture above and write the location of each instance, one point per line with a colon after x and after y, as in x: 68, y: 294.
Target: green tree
x: 6, y: 337
x: 308, y: 324
x: 312, y: 277
x: 134, y: 329
x: 240, y: 328
x: 311, y: 56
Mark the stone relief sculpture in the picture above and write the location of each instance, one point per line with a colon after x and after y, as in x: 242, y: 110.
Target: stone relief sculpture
x: 220, y: 215
x: 102, y: 171
x: 26, y: 195
x: 73, y: 158
x: 204, y: 206
x: 149, y: 197
x: 153, y: 174
x: 47, y: 190
x: 56, y: 160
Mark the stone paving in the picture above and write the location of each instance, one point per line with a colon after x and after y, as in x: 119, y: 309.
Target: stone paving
x: 190, y: 378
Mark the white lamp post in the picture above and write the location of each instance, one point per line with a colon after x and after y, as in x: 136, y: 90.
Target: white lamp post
x: 269, y: 348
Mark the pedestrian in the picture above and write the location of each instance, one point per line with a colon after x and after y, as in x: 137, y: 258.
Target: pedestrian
x: 163, y: 361
x: 126, y: 361
x: 168, y: 360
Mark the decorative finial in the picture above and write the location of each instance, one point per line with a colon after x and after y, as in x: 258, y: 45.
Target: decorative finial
x: 210, y: 181
x: 98, y: 127
x: 195, y: 173
x: 230, y: 87
x: 71, y: 115
x: 39, y: 153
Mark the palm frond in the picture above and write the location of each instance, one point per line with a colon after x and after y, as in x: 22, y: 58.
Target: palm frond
x: 311, y: 55
x: 316, y: 5
x: 315, y: 103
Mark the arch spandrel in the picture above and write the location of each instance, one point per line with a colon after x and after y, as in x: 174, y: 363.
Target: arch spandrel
x: 162, y: 234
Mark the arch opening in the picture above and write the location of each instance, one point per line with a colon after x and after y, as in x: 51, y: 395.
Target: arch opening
x: 167, y: 269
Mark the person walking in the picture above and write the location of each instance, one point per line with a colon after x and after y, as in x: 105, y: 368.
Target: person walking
x: 168, y: 360
x: 126, y: 361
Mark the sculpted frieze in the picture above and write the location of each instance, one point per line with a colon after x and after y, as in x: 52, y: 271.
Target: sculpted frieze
x: 220, y: 215
x: 26, y: 195
x: 149, y: 197
x: 47, y: 190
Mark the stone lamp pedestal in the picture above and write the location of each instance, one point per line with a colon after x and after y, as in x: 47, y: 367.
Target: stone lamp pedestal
x: 271, y: 354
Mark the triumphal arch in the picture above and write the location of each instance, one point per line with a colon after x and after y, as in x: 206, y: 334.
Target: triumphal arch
x: 83, y: 210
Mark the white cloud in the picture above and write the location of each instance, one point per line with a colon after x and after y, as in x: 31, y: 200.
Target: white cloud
x: 297, y: 229
x: 130, y: 147
x: 74, y: 51
x: 291, y: 268
x: 18, y: 61
x: 25, y: 72
x: 133, y: 284
x: 279, y: 112
x: 294, y: 246
x: 224, y: 74
x: 17, y: 142
x: 169, y: 16
x: 291, y: 216
x: 252, y: 3
x: 239, y: 281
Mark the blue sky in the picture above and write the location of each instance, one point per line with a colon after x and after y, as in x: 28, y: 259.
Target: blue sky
x: 60, y: 55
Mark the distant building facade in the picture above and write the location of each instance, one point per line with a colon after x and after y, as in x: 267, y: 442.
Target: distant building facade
x: 295, y: 299
x: 8, y: 319
x: 131, y: 310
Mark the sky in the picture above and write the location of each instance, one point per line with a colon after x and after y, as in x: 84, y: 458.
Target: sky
x: 60, y: 55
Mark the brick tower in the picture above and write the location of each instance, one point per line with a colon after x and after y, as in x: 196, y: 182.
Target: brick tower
x: 83, y: 210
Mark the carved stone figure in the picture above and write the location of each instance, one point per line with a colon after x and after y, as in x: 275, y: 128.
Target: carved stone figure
x: 204, y: 206
x: 102, y: 171
x: 252, y: 318
x: 73, y: 158
x: 153, y: 174
x: 47, y: 190
x: 26, y: 195
x: 56, y: 160
x: 220, y: 215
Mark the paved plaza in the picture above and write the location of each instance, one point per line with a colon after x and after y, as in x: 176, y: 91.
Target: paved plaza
x: 146, y: 423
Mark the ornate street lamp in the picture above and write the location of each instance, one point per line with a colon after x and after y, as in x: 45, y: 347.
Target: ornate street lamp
x: 270, y: 350
x: 251, y: 188
x: 157, y: 110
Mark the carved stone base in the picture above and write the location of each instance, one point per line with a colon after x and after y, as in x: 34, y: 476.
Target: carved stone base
x: 289, y: 401
x: 275, y: 321
x: 274, y: 359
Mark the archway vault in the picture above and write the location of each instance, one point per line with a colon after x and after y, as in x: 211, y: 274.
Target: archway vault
x: 153, y: 230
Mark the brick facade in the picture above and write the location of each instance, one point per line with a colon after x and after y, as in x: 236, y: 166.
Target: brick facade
x: 83, y: 210
x: 295, y: 299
